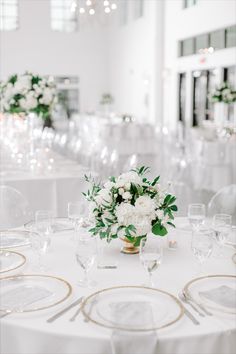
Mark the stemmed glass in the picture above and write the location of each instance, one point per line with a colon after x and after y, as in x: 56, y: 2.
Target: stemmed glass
x: 85, y: 253
x: 40, y: 240
x: 222, y: 226
x: 78, y: 214
x: 202, y: 245
x: 151, y: 252
x: 196, y: 215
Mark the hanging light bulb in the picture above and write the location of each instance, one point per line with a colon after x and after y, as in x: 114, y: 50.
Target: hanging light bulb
x: 106, y: 3
x: 107, y: 10
x: 91, y: 12
x: 82, y: 10
x: 113, y: 6
x: 88, y: 2
x: 73, y: 6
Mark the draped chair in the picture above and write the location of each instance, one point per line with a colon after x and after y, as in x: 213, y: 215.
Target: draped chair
x: 224, y: 202
x: 14, y: 208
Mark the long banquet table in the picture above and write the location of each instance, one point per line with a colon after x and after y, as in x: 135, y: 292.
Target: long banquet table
x: 31, y: 334
x: 50, y: 190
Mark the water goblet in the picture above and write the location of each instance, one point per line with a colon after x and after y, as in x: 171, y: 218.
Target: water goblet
x: 196, y: 215
x: 85, y: 253
x: 151, y: 253
x: 202, y: 245
x: 222, y: 226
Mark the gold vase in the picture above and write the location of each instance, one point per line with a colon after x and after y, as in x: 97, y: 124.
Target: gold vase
x: 128, y: 247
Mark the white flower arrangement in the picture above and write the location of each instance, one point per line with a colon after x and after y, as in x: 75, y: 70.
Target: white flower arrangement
x: 224, y: 93
x: 130, y: 206
x: 28, y: 93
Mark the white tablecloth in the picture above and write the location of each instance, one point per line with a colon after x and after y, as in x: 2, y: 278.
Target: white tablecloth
x: 31, y: 334
x: 51, y: 191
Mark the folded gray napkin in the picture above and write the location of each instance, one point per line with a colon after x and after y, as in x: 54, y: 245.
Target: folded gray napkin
x: 133, y: 315
x: 222, y: 295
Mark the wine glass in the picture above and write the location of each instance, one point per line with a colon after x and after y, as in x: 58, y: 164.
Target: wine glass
x: 40, y: 240
x: 77, y: 213
x: 222, y: 227
x: 151, y: 252
x: 196, y: 215
x: 202, y: 245
x: 85, y: 253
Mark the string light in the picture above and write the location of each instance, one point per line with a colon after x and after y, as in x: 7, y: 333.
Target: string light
x: 92, y: 6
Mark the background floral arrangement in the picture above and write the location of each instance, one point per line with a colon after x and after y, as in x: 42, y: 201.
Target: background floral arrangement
x: 28, y: 93
x: 224, y: 93
x: 130, y: 206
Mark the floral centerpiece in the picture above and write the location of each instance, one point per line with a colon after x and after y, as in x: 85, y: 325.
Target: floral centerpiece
x: 224, y: 93
x: 28, y: 93
x: 130, y: 206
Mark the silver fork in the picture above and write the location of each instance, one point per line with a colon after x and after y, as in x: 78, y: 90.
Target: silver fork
x: 206, y: 312
x: 186, y: 301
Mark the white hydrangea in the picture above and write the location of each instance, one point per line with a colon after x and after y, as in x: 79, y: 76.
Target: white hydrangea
x: 124, y: 212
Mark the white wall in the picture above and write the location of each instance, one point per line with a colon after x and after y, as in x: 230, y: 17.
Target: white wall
x: 206, y: 16
x: 35, y: 47
x: 135, y: 54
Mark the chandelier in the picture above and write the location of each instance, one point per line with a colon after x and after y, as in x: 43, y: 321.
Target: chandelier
x: 91, y: 7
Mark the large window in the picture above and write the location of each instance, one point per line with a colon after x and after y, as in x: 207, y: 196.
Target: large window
x: 217, y: 39
x: 63, y: 18
x: 138, y: 8
x: 201, y: 42
x: 188, y: 47
x: 189, y: 3
x: 231, y: 37
x: 9, y: 17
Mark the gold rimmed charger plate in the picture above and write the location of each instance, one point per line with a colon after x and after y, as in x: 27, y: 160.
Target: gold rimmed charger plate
x: 94, y: 314
x: 59, y: 224
x: 17, y: 280
x: 209, y: 303
x: 18, y: 262
x: 14, y: 238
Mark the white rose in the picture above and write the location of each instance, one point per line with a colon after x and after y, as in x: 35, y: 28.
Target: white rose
x: 103, y: 197
x: 142, y: 225
x: 127, y: 195
x: 145, y: 205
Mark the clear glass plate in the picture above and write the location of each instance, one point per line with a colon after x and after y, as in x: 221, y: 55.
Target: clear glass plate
x: 217, y: 292
x: 10, y: 260
x: 132, y: 308
x: 26, y: 293
x: 59, y: 225
x: 14, y: 238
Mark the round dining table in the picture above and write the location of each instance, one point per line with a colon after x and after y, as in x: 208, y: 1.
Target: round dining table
x: 30, y: 333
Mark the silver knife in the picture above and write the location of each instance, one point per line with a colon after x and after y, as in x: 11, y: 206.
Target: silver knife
x: 190, y: 316
x: 62, y: 312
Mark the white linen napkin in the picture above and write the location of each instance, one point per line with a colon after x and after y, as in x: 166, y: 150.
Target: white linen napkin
x: 137, y: 315
x: 222, y: 295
